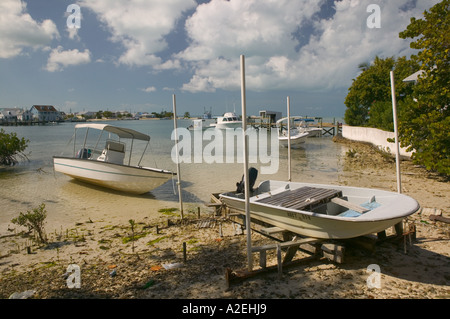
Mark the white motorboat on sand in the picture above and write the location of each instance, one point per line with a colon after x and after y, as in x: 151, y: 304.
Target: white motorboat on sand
x: 106, y: 167
x: 323, y: 211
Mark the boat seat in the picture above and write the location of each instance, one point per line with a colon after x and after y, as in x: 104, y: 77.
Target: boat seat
x: 368, y: 206
x: 303, y: 198
x: 114, y: 152
x: 115, y: 146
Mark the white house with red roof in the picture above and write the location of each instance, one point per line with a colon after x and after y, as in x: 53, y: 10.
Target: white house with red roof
x: 45, y: 113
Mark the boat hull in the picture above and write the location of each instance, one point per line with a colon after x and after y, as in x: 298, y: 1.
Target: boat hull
x: 129, y: 179
x: 313, y: 132
x: 296, y: 140
x: 394, y: 207
x: 224, y: 126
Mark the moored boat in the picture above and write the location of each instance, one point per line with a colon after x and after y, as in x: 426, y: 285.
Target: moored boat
x: 296, y: 136
x: 228, y: 120
x: 107, y: 168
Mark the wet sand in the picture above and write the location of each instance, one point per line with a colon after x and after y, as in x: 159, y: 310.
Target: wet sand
x: 113, y: 266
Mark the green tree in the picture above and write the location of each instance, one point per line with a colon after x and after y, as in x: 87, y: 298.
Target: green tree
x: 424, y: 121
x: 12, y: 148
x: 369, y: 100
x: 108, y: 114
x: 34, y: 221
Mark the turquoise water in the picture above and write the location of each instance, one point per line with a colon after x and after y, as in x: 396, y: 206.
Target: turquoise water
x: 31, y: 183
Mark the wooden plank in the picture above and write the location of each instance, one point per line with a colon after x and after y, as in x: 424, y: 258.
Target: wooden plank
x: 290, y: 253
x: 286, y: 244
x: 323, y: 197
x: 214, y: 204
x: 439, y: 218
x: 233, y: 277
x: 333, y: 249
x: 336, y: 258
x: 366, y: 242
x: 347, y: 204
x: 301, y: 198
x: 309, y: 249
x: 262, y: 259
x: 272, y: 230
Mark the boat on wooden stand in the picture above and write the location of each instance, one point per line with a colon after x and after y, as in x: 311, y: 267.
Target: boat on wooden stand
x: 323, y: 211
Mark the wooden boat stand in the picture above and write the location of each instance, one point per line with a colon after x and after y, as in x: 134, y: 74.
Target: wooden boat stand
x: 289, y: 243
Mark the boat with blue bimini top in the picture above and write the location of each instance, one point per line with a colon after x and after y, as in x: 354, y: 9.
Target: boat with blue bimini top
x: 107, y: 168
x: 292, y: 134
x: 323, y: 211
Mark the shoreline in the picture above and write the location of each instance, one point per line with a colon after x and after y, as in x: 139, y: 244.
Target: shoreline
x: 113, y: 266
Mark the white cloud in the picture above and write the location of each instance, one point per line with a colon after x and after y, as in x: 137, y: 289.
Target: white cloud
x: 59, y: 59
x: 149, y: 89
x: 267, y: 33
x: 140, y: 26
x: 73, y: 34
x: 18, y: 30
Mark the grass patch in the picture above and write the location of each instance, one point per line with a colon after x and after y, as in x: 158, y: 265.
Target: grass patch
x: 168, y: 211
x: 192, y: 241
x: 135, y: 237
x: 157, y: 240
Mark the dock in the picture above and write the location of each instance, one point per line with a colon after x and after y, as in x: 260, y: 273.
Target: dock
x: 331, y: 129
x: 27, y: 123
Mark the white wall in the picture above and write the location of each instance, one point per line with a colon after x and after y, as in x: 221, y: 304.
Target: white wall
x: 374, y: 136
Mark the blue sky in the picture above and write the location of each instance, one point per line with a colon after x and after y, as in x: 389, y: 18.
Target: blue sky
x: 133, y: 55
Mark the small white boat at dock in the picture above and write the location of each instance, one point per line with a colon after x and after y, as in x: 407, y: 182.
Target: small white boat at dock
x: 106, y: 168
x: 304, y: 127
x: 197, y: 125
x: 296, y: 136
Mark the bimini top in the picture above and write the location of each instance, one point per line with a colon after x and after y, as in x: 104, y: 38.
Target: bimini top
x: 122, y: 132
x: 293, y: 118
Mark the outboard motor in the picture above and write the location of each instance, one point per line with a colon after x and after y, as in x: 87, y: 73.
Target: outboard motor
x: 252, y: 175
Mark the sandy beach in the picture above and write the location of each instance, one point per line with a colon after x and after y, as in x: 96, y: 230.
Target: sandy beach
x: 152, y: 266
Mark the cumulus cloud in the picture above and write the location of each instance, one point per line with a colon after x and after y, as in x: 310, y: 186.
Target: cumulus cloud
x: 59, y: 59
x: 149, y: 89
x: 140, y: 26
x: 268, y: 33
x: 72, y: 33
x: 18, y: 30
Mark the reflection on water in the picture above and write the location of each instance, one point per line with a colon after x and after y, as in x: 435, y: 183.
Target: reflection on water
x: 29, y: 184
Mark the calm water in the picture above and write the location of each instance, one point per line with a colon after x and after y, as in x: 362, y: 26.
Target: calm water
x: 29, y: 184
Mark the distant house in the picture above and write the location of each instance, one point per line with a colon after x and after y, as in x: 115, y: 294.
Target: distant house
x: 8, y: 115
x: 45, y: 113
x: 12, y: 115
x: 24, y: 115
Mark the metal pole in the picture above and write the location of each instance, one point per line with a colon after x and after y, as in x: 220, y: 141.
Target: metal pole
x: 289, y: 137
x: 246, y: 181
x: 84, y: 143
x: 176, y: 149
x: 397, y: 154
